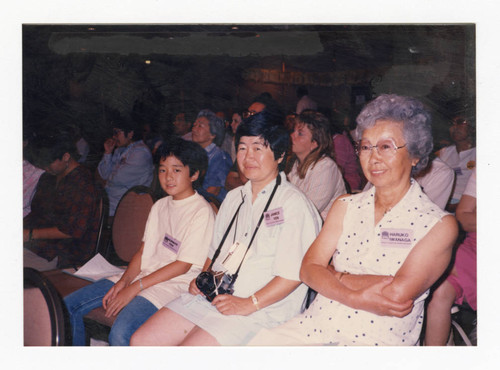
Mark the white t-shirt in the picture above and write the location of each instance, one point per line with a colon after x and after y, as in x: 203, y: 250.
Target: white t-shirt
x: 175, y: 230
x: 322, y: 184
x: 462, y: 163
x: 305, y: 103
x: 437, y: 183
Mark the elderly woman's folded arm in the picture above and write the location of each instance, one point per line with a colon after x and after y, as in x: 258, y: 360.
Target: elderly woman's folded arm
x: 382, y: 295
x: 426, y: 262
x: 316, y: 270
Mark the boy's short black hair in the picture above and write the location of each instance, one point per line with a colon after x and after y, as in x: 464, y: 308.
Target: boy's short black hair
x: 273, y: 133
x: 189, y: 153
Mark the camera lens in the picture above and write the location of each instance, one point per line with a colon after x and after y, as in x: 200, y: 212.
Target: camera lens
x: 205, y: 283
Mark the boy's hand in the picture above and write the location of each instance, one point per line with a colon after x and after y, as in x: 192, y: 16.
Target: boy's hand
x: 111, y: 294
x: 122, y: 299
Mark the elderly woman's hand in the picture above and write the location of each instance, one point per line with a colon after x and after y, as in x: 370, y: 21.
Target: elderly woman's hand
x: 231, y: 305
x: 371, y: 299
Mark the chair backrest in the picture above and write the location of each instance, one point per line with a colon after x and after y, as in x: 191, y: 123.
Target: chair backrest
x: 43, y: 311
x: 102, y: 236
x: 129, y: 221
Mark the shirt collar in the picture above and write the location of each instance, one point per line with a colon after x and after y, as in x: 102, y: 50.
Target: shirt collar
x: 247, y: 188
x: 210, y: 147
x: 413, y: 191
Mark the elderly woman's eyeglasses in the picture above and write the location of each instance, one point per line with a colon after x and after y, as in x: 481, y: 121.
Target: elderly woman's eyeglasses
x: 385, y: 148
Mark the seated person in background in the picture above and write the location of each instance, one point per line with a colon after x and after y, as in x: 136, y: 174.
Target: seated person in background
x: 31, y: 175
x: 305, y: 102
x: 313, y: 170
x: 174, y: 248
x: 461, y: 156
x: 228, y: 144
x: 127, y: 161
x: 388, y: 244
x: 437, y: 181
x: 267, y: 290
x: 183, y: 124
x: 151, y: 137
x: 460, y: 285
x: 290, y: 121
x: 82, y: 147
x: 344, y: 155
x: 64, y: 216
x: 208, y: 132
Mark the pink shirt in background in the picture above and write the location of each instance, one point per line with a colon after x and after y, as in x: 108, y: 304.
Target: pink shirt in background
x: 345, y: 156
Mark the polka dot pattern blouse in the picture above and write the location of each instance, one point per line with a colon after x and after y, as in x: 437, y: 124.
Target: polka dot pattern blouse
x: 366, y: 248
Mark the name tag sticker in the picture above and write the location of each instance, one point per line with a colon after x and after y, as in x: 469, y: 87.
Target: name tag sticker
x: 396, y: 237
x: 458, y: 171
x: 171, y: 243
x: 274, y: 217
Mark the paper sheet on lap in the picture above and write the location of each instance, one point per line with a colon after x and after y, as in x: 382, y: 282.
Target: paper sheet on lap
x: 97, y: 268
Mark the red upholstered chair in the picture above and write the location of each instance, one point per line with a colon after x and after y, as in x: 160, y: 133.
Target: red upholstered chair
x: 127, y: 231
x: 128, y: 227
x: 43, y: 311
x: 129, y: 221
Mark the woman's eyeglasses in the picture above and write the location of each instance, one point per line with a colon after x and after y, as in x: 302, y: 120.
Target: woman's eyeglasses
x: 459, y: 122
x: 385, y: 148
x: 248, y: 113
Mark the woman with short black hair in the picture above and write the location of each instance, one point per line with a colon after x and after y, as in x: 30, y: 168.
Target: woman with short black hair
x: 262, y: 231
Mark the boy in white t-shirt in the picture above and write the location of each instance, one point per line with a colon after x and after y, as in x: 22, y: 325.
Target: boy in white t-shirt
x: 174, y: 248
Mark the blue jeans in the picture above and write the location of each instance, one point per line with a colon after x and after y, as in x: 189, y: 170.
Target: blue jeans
x: 130, y: 318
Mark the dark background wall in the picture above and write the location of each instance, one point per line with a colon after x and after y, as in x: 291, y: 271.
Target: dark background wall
x: 164, y: 69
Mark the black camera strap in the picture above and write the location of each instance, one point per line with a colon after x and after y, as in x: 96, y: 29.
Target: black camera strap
x: 216, y: 254
x: 278, y: 182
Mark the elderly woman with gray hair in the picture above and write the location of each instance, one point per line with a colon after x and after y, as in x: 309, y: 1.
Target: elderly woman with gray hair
x: 208, y: 131
x: 389, y: 244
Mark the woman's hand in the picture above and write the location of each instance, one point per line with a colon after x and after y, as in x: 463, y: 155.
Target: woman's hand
x: 372, y: 300
x: 230, y: 305
x: 121, y: 299
x: 193, y: 288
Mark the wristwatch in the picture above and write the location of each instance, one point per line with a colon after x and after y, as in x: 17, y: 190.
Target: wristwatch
x: 255, y: 302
